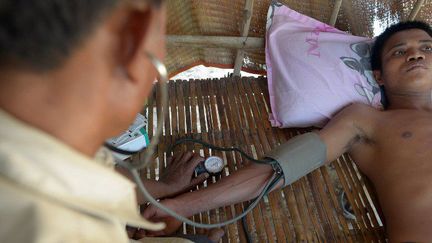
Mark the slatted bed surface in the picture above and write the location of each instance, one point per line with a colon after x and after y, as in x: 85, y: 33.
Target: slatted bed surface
x: 234, y: 112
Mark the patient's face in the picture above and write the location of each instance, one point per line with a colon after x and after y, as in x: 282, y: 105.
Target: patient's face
x: 407, y: 62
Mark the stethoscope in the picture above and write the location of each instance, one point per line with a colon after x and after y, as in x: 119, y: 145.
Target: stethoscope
x: 135, y: 167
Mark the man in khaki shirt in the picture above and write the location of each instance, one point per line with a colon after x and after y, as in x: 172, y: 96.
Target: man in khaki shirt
x: 73, y: 74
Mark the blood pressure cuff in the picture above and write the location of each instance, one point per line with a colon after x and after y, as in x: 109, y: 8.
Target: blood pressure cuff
x: 299, y: 156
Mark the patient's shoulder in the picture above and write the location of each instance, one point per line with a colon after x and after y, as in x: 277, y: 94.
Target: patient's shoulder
x: 360, y: 109
x: 358, y: 112
x: 359, y: 117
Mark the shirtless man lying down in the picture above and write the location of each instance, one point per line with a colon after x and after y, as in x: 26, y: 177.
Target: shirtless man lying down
x: 392, y: 147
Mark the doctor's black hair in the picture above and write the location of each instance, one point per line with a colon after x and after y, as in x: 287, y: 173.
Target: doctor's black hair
x: 40, y: 34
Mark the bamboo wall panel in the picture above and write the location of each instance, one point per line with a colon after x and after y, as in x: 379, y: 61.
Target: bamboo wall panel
x: 225, y: 18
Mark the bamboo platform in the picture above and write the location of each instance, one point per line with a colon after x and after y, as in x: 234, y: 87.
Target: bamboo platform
x: 234, y: 112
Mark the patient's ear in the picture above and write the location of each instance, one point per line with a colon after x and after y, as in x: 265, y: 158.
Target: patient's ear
x: 378, y: 77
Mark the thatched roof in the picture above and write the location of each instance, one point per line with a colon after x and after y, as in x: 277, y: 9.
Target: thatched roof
x: 225, y: 18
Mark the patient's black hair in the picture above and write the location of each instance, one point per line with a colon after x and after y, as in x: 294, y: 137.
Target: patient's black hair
x: 381, y: 40
x: 40, y: 34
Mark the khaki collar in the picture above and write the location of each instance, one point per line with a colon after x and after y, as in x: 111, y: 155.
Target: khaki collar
x: 44, y: 165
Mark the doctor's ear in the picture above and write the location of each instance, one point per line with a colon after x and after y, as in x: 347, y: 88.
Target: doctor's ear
x: 378, y: 77
x: 133, y: 34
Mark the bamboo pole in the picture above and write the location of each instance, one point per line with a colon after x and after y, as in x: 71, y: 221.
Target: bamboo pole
x: 416, y: 9
x: 232, y: 42
x: 246, y: 24
x: 335, y: 12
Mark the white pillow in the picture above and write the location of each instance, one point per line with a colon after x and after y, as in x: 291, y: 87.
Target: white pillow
x: 314, y: 69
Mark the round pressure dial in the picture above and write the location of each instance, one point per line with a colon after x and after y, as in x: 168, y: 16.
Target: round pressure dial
x: 214, y: 164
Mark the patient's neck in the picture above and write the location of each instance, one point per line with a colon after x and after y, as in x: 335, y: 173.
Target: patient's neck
x: 410, y: 100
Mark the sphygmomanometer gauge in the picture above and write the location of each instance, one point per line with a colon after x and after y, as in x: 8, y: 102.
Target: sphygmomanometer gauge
x: 212, y: 165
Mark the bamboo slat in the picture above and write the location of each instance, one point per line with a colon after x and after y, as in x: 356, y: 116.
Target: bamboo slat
x: 234, y: 112
x: 335, y: 12
x: 416, y: 9
x: 247, y: 12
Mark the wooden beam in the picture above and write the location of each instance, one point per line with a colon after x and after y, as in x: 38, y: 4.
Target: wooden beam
x: 247, y: 16
x: 232, y: 42
x: 335, y: 12
x: 416, y: 9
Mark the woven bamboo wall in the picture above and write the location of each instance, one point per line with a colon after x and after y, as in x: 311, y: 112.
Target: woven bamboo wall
x: 225, y: 18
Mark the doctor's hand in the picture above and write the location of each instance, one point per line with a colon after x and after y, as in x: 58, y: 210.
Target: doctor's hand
x: 154, y: 214
x: 178, y: 175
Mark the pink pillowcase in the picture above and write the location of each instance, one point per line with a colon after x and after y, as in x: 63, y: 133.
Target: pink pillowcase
x: 314, y: 70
